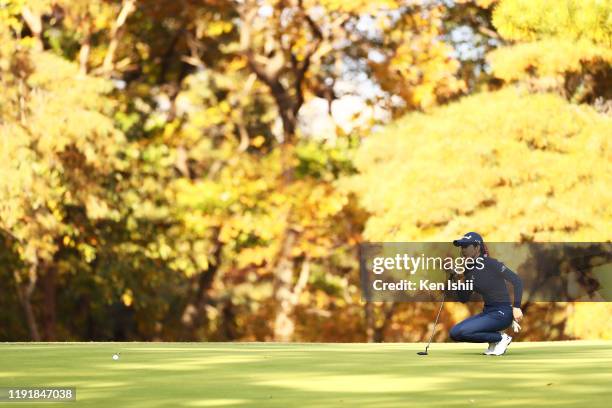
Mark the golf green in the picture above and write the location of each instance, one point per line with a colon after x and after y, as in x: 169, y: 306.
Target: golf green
x: 547, y: 374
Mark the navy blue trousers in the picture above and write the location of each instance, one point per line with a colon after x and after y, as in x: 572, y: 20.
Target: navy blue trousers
x: 483, y: 327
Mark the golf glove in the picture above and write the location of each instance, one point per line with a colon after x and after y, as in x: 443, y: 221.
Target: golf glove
x: 515, y: 326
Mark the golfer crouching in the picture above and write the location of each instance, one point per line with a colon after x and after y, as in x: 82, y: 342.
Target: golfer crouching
x: 488, y: 279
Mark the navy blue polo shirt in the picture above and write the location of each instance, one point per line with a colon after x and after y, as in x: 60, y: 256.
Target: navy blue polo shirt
x: 490, y: 283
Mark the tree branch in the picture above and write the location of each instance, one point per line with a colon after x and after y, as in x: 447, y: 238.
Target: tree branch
x: 301, y: 282
x: 127, y: 8
x: 34, y: 22
x: 300, y: 71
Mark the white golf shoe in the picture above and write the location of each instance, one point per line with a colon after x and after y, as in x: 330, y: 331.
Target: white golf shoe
x: 489, y: 351
x: 501, y: 346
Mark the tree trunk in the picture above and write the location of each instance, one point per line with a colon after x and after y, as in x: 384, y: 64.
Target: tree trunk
x: 49, y: 315
x: 289, y: 97
x: 283, y: 293
x: 194, y: 315
x: 229, y: 328
x: 24, y: 293
x: 369, y: 321
x: 31, y: 319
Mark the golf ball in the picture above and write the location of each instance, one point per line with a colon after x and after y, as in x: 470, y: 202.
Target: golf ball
x: 115, y: 357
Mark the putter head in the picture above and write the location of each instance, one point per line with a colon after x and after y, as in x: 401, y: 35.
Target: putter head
x: 422, y: 353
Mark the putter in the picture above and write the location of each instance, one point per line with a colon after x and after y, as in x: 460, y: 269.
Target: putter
x: 433, y: 331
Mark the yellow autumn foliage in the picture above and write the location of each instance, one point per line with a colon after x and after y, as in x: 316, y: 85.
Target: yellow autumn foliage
x: 508, y: 164
x: 528, y: 20
x: 547, y: 58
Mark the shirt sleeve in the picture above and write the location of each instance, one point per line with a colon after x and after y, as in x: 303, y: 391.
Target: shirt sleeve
x: 516, y: 281
x: 464, y: 295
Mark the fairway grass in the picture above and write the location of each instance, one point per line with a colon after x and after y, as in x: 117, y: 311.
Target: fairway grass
x: 547, y: 374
